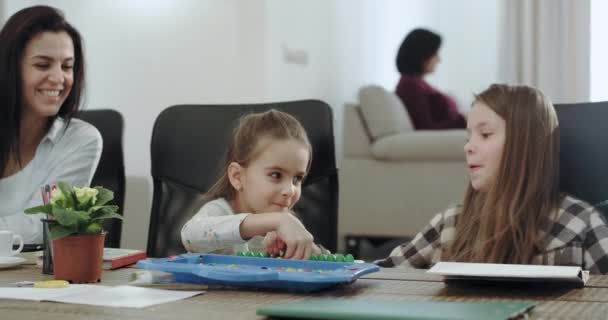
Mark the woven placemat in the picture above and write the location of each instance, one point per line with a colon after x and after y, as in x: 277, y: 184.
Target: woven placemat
x: 599, y: 281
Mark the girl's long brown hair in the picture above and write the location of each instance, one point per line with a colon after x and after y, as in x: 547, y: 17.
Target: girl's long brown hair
x: 244, y: 144
x: 503, y: 225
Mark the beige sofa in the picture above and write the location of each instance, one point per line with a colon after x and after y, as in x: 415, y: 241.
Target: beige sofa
x: 393, y: 179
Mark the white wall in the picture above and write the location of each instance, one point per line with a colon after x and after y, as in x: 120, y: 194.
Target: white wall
x: 469, y: 55
x: 299, y: 51
x: 145, y: 55
x: 3, y: 9
x: 599, y: 51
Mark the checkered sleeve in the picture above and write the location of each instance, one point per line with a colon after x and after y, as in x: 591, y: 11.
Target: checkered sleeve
x: 419, y: 251
x: 596, y: 244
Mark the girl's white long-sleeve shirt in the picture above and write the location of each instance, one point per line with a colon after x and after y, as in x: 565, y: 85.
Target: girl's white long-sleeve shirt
x: 215, y: 228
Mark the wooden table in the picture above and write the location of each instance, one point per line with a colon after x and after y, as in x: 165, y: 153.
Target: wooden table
x: 397, y: 284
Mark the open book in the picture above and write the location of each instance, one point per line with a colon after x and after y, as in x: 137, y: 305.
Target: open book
x: 566, y: 275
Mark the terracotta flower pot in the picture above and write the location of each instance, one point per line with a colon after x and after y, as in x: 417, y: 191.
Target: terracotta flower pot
x: 78, y: 258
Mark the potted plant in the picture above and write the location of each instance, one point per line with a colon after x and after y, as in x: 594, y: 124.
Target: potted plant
x: 76, y: 217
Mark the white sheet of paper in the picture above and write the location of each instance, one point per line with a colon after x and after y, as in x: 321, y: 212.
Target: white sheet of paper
x: 40, y: 294
x: 120, y: 296
x: 127, y: 296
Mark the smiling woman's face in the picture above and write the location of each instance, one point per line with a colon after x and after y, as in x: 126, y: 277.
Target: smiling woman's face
x: 47, y: 73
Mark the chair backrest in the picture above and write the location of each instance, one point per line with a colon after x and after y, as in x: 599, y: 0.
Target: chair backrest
x: 188, y: 144
x: 110, y: 172
x: 584, y: 151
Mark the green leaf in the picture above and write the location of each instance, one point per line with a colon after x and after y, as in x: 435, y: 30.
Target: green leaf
x: 103, y: 196
x: 59, y: 231
x: 67, y: 217
x: 102, y: 209
x: 84, y: 219
x: 107, y: 215
x: 64, y: 186
x: 94, y: 227
x: 70, y: 196
x: 47, y: 208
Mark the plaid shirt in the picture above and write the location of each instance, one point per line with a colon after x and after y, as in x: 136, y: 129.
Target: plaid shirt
x: 576, y: 236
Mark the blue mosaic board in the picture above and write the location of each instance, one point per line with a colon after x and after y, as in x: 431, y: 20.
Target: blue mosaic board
x: 256, y: 272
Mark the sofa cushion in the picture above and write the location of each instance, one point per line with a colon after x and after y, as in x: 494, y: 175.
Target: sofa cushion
x: 422, y: 145
x: 383, y: 112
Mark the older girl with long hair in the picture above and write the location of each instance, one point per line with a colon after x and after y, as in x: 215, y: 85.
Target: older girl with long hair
x: 513, y: 211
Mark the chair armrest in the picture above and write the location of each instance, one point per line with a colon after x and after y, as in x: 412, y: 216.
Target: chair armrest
x: 435, y: 145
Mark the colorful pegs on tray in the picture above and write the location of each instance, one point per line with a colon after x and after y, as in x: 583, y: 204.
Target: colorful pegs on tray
x: 314, y: 257
x: 252, y: 254
x: 333, y: 257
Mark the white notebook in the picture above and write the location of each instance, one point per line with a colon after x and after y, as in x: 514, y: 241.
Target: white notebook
x: 511, y: 272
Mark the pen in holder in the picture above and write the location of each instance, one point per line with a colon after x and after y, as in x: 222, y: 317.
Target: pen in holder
x: 47, y: 254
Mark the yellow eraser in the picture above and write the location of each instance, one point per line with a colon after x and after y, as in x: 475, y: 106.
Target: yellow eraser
x: 52, y: 284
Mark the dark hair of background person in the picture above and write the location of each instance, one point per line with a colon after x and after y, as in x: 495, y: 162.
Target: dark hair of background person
x: 20, y: 28
x: 416, y: 49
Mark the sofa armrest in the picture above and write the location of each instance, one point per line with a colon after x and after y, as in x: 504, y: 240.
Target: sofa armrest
x: 436, y: 145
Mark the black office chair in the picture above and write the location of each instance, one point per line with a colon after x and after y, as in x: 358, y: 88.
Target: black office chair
x: 110, y: 172
x: 188, y: 144
x: 584, y: 151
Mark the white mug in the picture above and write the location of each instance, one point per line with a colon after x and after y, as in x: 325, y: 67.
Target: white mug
x: 7, y: 238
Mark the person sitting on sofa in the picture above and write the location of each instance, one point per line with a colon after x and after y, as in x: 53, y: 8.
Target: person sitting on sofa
x: 428, y: 108
x: 513, y: 211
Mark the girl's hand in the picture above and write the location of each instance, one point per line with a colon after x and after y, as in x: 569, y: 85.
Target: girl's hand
x: 295, y: 236
x: 273, y: 244
x: 317, y: 250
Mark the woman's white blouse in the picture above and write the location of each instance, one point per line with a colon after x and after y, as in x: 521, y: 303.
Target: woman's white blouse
x: 65, y: 154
